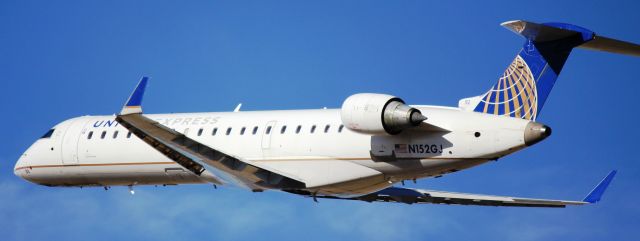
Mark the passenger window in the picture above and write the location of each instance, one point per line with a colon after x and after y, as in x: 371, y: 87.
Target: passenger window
x: 115, y: 134
x: 284, y: 128
x: 129, y: 134
x: 242, y: 130
x: 268, y: 131
x: 313, y: 129
x: 255, y: 130
x: 186, y: 131
x: 228, y: 131
x: 298, y: 129
x: 200, y: 132
x: 104, y: 133
x: 340, y: 128
x: 90, y: 135
x: 48, y: 134
x: 214, y: 131
x: 326, y: 128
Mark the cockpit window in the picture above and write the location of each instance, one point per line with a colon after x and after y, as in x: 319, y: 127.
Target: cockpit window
x: 48, y: 134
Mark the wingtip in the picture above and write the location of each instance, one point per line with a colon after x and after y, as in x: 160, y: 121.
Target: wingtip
x: 516, y: 26
x: 509, y: 22
x: 596, y: 194
x: 134, y: 103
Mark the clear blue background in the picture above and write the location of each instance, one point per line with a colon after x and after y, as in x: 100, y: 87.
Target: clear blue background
x: 60, y: 59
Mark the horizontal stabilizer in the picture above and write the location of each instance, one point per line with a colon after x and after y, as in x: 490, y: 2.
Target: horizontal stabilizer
x: 548, y: 31
x: 586, y: 39
x: 600, y: 43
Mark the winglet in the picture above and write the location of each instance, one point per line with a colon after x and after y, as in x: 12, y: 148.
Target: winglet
x: 595, y: 194
x: 134, y: 103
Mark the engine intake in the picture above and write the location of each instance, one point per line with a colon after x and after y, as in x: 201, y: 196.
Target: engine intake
x: 379, y: 114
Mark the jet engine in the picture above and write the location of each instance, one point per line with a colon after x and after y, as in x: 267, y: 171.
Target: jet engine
x: 378, y: 114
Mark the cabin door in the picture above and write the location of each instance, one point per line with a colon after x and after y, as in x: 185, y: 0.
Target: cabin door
x: 70, y: 141
x: 268, y: 130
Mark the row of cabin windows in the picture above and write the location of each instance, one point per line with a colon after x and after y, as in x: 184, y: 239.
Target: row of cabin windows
x: 283, y: 130
x: 104, y: 134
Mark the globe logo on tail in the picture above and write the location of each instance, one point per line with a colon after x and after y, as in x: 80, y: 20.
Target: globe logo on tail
x: 514, y: 95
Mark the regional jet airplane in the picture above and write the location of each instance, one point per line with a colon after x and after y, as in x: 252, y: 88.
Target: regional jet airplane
x: 357, y: 152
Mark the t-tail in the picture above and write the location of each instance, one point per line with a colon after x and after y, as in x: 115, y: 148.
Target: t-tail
x: 524, y: 86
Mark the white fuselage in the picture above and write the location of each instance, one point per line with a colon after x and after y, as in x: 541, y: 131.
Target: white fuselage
x: 112, y: 157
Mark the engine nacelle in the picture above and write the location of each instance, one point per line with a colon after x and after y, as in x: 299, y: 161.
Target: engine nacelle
x: 378, y: 114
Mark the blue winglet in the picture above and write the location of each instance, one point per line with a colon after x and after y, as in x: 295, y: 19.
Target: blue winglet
x: 134, y: 103
x: 595, y: 195
x: 136, y: 97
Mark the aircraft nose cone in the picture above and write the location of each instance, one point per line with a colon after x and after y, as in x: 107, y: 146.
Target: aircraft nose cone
x: 17, y: 169
x: 18, y: 173
x: 535, y: 132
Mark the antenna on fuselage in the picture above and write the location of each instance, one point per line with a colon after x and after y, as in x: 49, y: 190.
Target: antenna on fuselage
x: 131, y: 190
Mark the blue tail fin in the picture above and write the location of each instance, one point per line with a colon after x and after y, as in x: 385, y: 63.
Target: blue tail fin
x: 526, y: 83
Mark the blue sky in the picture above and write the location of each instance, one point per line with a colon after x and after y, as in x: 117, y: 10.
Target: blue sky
x: 62, y: 59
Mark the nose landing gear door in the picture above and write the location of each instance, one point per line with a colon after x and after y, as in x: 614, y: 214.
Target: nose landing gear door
x: 70, y: 139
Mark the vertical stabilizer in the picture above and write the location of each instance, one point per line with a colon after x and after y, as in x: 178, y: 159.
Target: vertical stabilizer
x: 524, y: 86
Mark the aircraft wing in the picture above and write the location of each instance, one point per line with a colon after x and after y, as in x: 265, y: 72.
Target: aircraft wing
x: 194, y: 156
x: 411, y: 196
x: 198, y: 157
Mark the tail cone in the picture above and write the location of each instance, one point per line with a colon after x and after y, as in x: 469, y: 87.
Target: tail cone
x: 535, y: 132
